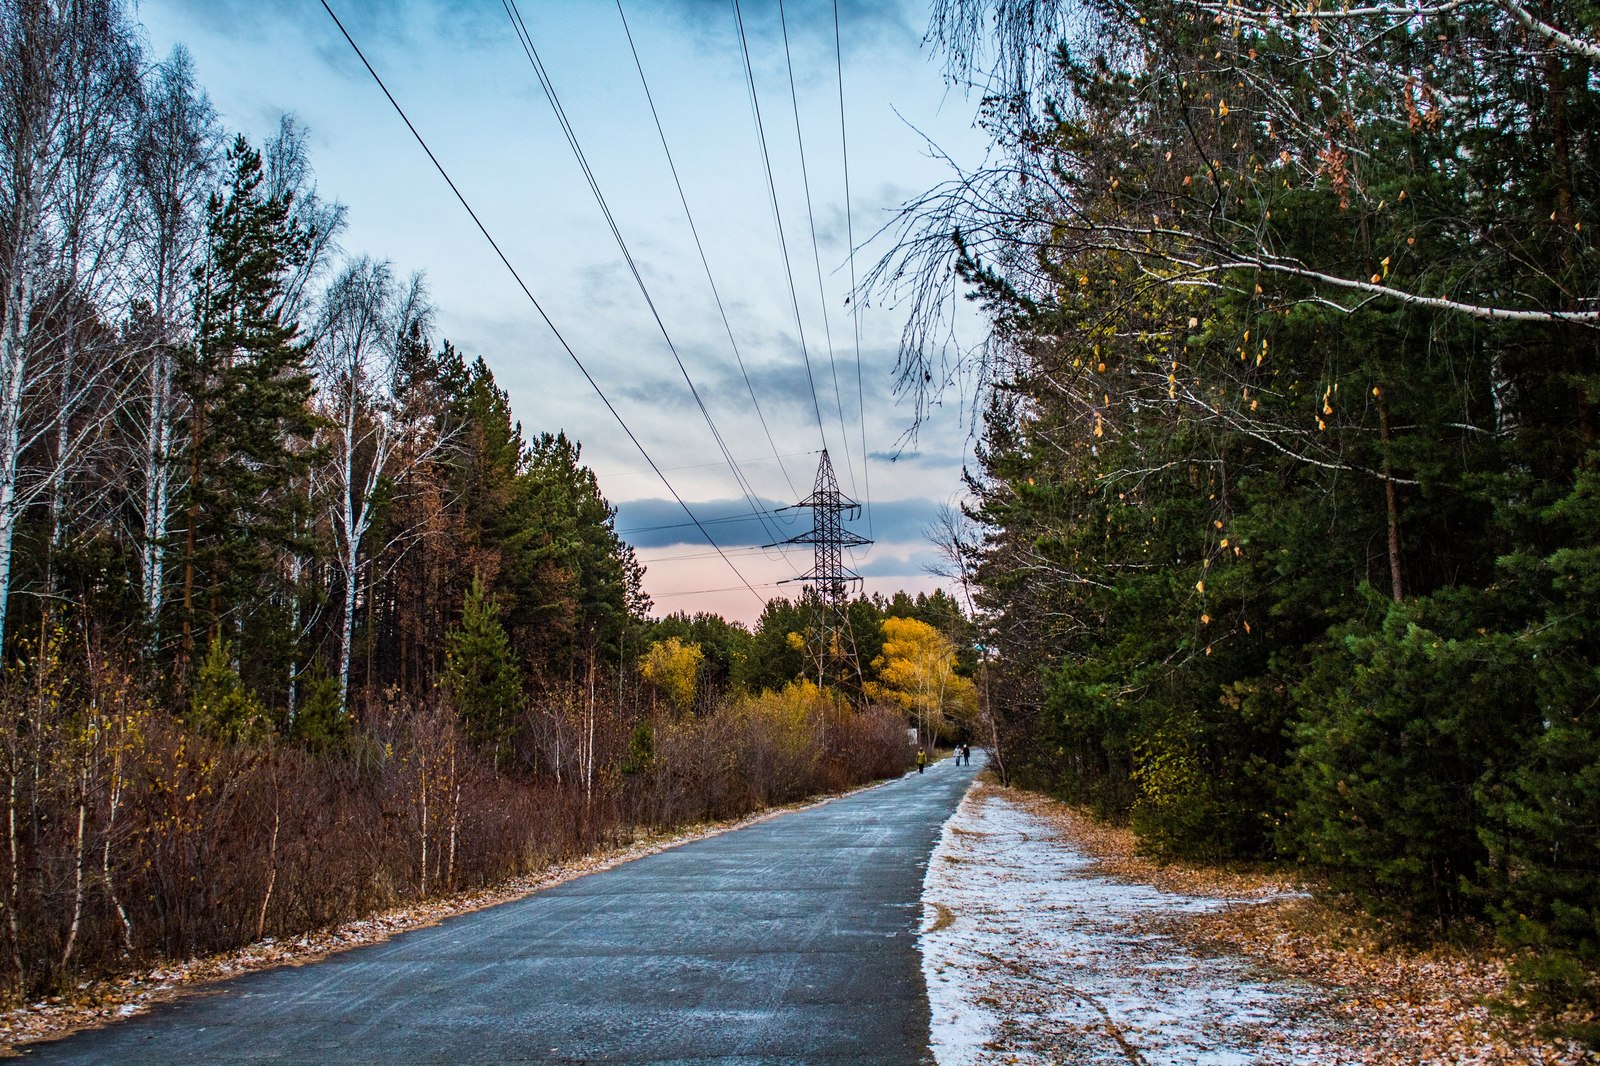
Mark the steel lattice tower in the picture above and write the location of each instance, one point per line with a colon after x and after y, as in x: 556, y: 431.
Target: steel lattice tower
x: 830, y: 578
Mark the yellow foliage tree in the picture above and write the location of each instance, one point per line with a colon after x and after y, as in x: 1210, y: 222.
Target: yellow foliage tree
x: 673, y: 667
x: 916, y: 672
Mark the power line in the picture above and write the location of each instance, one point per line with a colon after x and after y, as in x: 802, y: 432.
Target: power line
x: 855, y: 305
x: 707, y: 592
x: 816, y: 251
x: 531, y: 50
x: 777, y: 216
x: 702, y: 466
x: 534, y: 300
x: 752, y: 550
x: 704, y: 261
x: 698, y: 524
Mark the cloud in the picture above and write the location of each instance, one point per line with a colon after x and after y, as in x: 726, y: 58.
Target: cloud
x: 658, y: 523
x: 915, y: 457
x: 864, y: 24
x: 913, y: 564
x: 461, y: 21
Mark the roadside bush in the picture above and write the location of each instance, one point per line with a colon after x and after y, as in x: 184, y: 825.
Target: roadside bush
x: 133, y: 835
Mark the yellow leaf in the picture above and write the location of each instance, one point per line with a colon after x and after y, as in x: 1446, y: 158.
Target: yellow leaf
x: 1205, y: 619
x: 1200, y: 586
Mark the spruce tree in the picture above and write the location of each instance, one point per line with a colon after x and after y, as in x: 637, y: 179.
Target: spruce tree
x: 247, y: 385
x: 481, y: 672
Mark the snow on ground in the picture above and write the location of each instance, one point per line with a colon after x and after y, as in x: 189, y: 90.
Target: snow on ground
x: 1031, y: 956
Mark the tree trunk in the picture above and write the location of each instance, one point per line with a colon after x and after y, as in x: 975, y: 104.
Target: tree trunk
x: 422, y: 771
x: 348, y: 623
x: 13, y: 366
x: 272, y: 858
x: 157, y: 489
x: 113, y: 805
x: 455, y: 817
x: 78, y: 851
x: 14, y: 877
x: 1391, y: 501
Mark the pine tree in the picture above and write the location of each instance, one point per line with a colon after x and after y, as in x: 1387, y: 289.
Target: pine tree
x: 481, y: 672
x: 247, y: 387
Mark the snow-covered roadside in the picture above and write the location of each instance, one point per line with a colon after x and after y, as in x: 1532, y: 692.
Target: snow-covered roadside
x: 1031, y: 956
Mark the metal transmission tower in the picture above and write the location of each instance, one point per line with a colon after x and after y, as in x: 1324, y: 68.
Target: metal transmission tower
x: 831, y: 579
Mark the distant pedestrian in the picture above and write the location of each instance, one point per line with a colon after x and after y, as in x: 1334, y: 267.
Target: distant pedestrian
x: 922, y: 760
x: 966, y: 753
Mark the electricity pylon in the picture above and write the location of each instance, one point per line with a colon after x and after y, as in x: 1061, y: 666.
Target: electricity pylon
x: 829, y: 577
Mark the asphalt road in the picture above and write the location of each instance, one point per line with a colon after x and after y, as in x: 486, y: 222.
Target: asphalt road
x: 791, y: 941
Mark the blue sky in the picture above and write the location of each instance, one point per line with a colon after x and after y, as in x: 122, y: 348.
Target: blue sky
x: 457, y: 69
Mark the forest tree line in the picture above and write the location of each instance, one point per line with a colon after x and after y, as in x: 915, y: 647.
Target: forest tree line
x: 296, y: 620
x: 1286, y: 519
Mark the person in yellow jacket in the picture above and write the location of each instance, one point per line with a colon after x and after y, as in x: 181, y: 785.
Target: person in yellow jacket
x: 922, y: 760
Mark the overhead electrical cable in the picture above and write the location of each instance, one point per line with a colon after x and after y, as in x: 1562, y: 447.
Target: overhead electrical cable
x: 605, y: 475
x: 754, y: 549
x: 525, y: 38
x: 777, y: 217
x: 707, y: 592
x: 816, y: 251
x: 537, y: 306
x: 855, y: 304
x: 704, y: 261
x: 724, y: 520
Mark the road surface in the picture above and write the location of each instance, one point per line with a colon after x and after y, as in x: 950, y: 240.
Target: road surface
x: 790, y: 941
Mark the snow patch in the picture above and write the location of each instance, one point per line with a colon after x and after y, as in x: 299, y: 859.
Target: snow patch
x: 1030, y: 956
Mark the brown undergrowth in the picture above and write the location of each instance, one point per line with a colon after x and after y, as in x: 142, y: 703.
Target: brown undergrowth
x: 94, y: 1003
x: 1402, y: 1004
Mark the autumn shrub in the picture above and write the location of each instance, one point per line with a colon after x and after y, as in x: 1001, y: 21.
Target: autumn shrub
x: 134, y: 835
x: 761, y: 750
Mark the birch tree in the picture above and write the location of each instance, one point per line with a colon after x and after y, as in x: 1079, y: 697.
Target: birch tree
x: 66, y: 69
x: 366, y: 316
x: 173, y: 172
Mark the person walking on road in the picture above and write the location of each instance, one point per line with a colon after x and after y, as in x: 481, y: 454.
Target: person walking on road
x: 922, y: 760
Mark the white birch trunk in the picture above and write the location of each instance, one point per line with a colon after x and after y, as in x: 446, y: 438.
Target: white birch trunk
x: 13, y: 362
x: 157, y: 461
